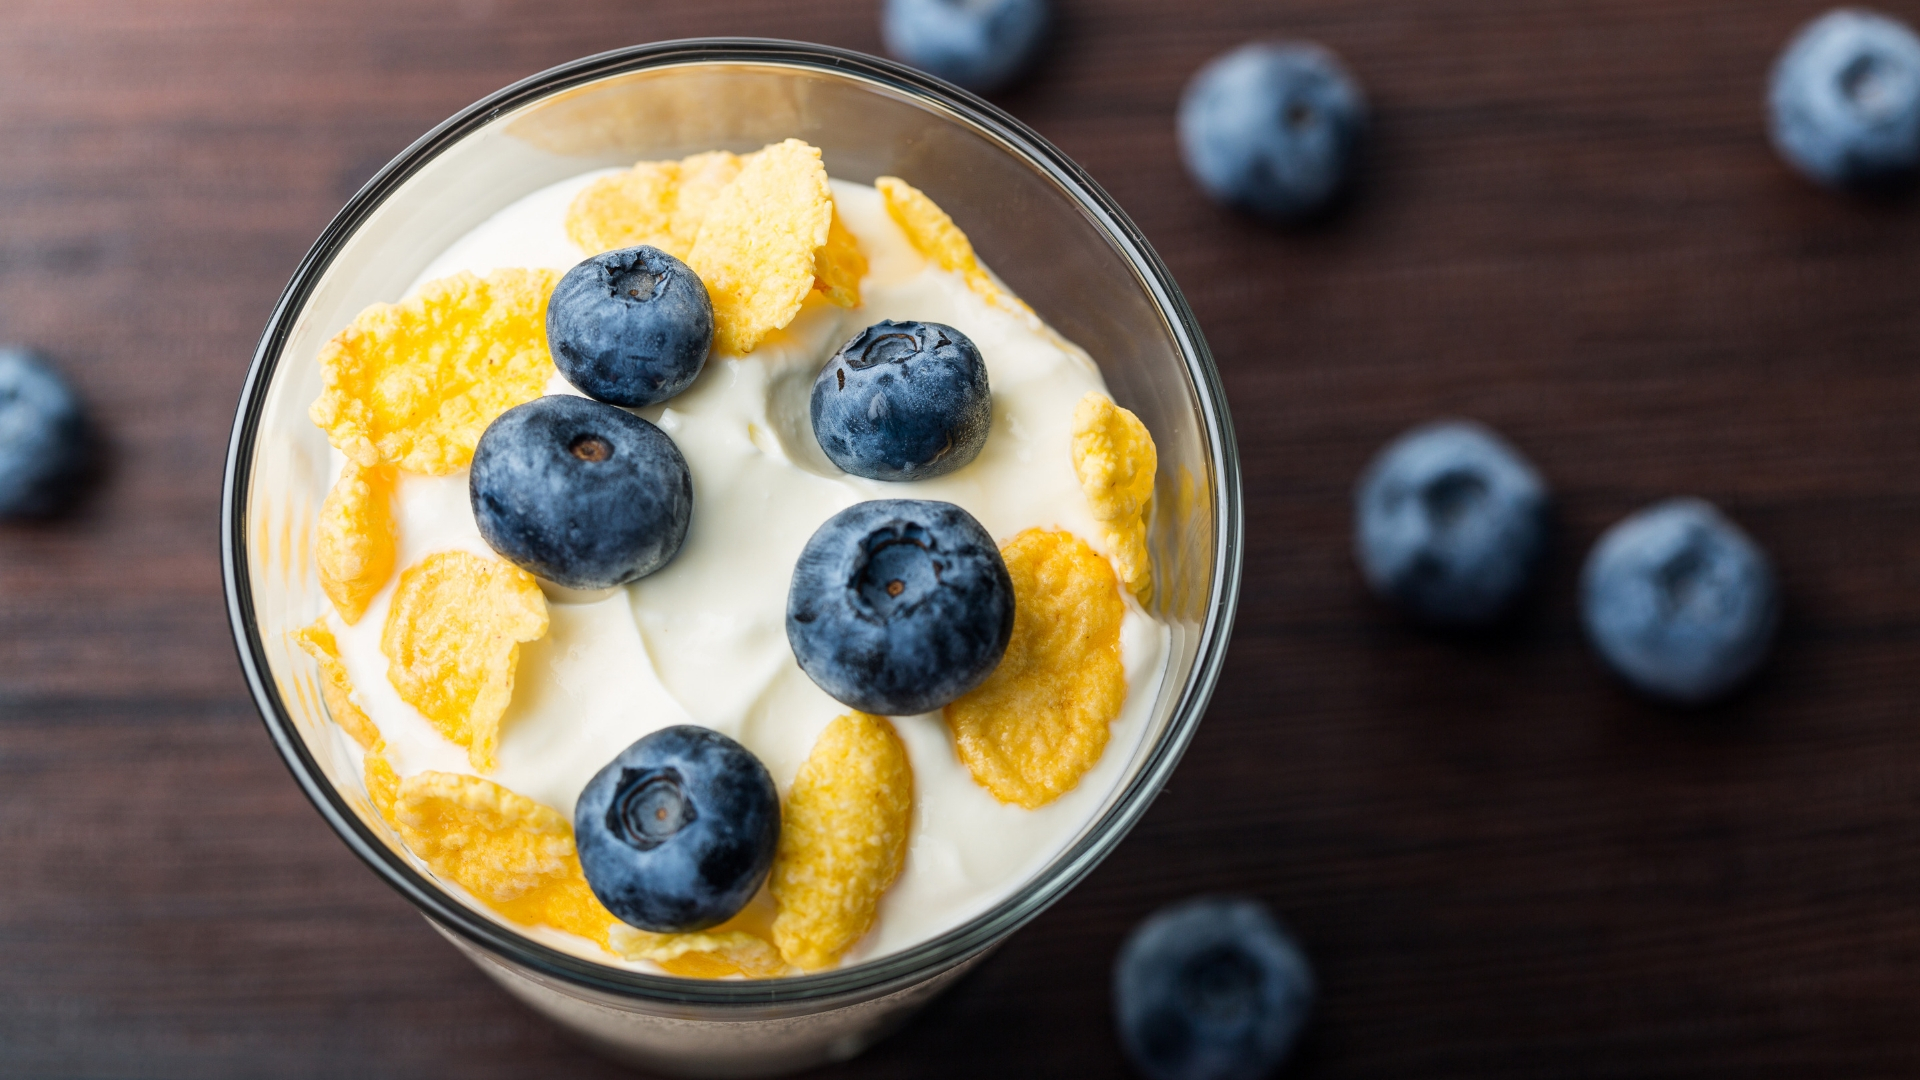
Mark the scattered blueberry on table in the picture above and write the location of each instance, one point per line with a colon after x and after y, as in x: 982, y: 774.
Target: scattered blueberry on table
x: 903, y: 401
x: 982, y: 45
x: 44, y: 444
x: 1273, y: 128
x: 630, y: 327
x: 1450, y: 523
x: 1211, y: 989
x: 1679, y: 601
x: 898, y: 606
x: 580, y: 493
x: 677, y: 833
x: 1844, y: 101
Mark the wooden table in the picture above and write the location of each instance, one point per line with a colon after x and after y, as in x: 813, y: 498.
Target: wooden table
x: 1503, y: 864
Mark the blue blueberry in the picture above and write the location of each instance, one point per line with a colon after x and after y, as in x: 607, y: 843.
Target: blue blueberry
x: 677, y: 833
x: 580, y: 493
x: 1679, y: 601
x: 1273, y: 129
x: 1845, y: 101
x: 903, y: 401
x: 1210, y: 989
x: 630, y: 327
x: 44, y: 448
x: 980, y: 44
x: 898, y: 606
x: 1450, y: 522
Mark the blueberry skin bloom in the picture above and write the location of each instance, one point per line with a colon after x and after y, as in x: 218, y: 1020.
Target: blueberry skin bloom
x: 980, y: 44
x: 1273, y: 129
x: 677, y: 833
x: 1210, y: 989
x: 903, y: 401
x: 44, y: 446
x: 1844, y: 101
x: 1450, y: 522
x: 898, y: 606
x: 1679, y: 601
x: 630, y: 327
x: 580, y: 493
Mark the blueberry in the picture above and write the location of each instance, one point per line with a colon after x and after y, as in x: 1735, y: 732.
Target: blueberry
x: 980, y: 44
x: 1845, y: 101
x: 44, y: 448
x: 1679, y: 601
x: 903, y: 401
x: 580, y: 493
x: 898, y: 606
x: 677, y: 833
x: 1273, y: 129
x: 1450, y: 522
x: 630, y: 327
x: 1210, y: 989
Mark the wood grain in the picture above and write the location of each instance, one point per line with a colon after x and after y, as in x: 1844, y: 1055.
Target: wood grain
x: 1502, y: 864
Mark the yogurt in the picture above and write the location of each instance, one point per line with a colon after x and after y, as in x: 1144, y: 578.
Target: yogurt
x: 703, y: 640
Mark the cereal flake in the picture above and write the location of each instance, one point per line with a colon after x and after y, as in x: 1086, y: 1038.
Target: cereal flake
x: 415, y: 383
x: 756, y: 246
x: 452, y: 641
x: 1039, y: 722
x: 934, y: 235
x: 356, y: 547
x: 838, y: 266
x: 657, y: 203
x: 336, y: 688
x: 383, y: 784
x: 843, y: 839
x: 711, y: 954
x: 1114, y: 458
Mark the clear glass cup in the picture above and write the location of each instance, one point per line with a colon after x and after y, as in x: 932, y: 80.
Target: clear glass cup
x: 1033, y: 215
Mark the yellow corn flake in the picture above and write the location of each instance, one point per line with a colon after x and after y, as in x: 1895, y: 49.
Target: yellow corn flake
x: 1114, y: 458
x: 383, y: 784
x: 657, y: 203
x: 513, y: 854
x: 336, y: 688
x: 755, y: 251
x: 934, y: 235
x: 355, y: 551
x: 414, y: 384
x: 843, y: 839
x: 452, y: 641
x: 711, y: 954
x: 1040, y: 720
x: 839, y: 266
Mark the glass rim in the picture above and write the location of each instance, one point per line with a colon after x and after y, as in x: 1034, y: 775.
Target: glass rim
x: 885, y: 973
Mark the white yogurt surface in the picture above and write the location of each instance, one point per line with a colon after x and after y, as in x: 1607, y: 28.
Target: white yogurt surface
x: 704, y: 640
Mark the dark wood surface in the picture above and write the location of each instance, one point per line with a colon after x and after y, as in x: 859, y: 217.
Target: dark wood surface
x: 1503, y: 864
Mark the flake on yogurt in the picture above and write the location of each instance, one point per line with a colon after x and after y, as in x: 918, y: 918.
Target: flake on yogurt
x: 383, y: 784
x: 713, y: 954
x: 838, y: 266
x: 1041, y: 720
x: 843, y: 839
x: 452, y: 642
x: 1114, y: 457
x: 336, y: 687
x: 757, y: 244
x: 512, y: 853
x: 355, y: 551
x: 414, y: 384
x: 934, y: 235
x: 657, y: 203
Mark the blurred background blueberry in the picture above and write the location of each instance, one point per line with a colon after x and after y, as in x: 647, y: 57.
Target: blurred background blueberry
x: 1679, y: 601
x: 1844, y: 102
x: 982, y: 45
x: 1273, y: 128
x: 1450, y: 523
x: 45, y: 451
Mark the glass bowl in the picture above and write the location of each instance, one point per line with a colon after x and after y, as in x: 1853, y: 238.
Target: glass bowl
x: 1034, y: 216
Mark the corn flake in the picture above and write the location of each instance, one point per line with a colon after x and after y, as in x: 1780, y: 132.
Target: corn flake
x: 756, y: 246
x: 383, y: 784
x: 711, y: 954
x: 452, y: 641
x: 513, y: 854
x: 1039, y: 722
x: 414, y: 384
x: 843, y: 839
x: 336, y: 688
x: 934, y: 235
x: 839, y: 266
x: 1114, y: 458
x: 356, y: 546
x: 657, y: 203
